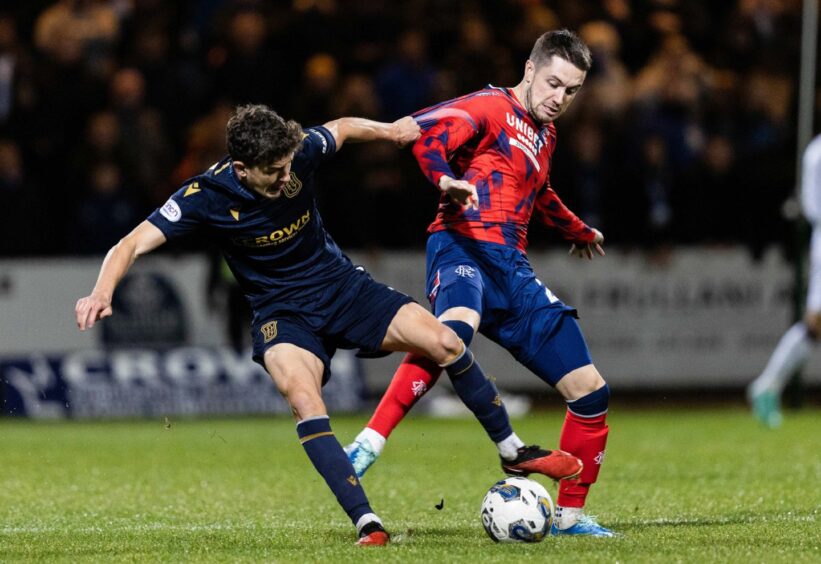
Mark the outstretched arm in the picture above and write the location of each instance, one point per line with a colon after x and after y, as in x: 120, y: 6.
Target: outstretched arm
x: 555, y: 214
x: 142, y: 240
x: 358, y: 130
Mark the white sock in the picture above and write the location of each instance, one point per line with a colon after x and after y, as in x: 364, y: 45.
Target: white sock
x: 376, y: 440
x: 365, y: 519
x: 509, y: 447
x: 792, y: 351
x: 566, y: 517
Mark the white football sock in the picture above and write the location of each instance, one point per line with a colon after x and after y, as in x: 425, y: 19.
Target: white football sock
x: 566, y: 517
x: 376, y: 440
x: 509, y: 447
x: 365, y: 519
x: 792, y: 351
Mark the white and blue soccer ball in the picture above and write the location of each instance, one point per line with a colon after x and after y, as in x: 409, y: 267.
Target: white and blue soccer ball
x: 517, y: 510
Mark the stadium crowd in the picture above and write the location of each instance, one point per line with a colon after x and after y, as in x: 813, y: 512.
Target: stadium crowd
x: 683, y: 133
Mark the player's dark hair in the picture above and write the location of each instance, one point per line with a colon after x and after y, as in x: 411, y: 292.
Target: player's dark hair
x: 561, y: 43
x: 257, y: 135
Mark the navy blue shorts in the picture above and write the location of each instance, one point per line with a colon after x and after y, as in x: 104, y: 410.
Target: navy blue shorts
x: 354, y: 312
x: 518, y: 311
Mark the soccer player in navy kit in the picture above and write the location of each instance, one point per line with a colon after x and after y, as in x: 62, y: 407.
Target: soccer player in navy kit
x: 489, y: 153
x: 257, y: 205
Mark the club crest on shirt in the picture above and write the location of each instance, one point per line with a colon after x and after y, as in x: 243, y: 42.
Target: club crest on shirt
x: 293, y: 187
x: 269, y: 331
x: 465, y: 271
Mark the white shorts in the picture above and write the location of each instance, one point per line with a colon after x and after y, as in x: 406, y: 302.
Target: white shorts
x: 814, y: 282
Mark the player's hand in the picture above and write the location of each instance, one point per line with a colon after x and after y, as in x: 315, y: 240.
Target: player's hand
x: 583, y: 250
x: 460, y: 191
x: 90, y: 309
x: 405, y: 131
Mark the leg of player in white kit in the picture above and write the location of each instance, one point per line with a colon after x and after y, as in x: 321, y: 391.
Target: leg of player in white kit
x: 765, y: 392
x: 792, y: 351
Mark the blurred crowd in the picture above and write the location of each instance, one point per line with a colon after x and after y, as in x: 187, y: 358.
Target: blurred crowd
x: 684, y: 132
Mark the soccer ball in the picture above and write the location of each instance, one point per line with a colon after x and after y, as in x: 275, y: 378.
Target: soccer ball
x: 517, y: 510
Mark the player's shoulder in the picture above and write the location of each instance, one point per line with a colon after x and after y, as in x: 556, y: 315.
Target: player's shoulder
x: 216, y: 182
x: 490, y: 96
x: 317, y: 140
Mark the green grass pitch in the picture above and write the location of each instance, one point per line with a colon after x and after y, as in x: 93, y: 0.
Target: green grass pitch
x: 682, y: 485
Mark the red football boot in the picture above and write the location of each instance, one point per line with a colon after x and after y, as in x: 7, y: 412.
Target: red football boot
x: 373, y: 534
x: 555, y: 464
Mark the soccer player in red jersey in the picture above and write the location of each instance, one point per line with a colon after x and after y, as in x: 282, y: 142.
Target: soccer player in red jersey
x: 489, y: 154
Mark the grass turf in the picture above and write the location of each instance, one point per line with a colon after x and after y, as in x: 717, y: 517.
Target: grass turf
x: 688, y: 486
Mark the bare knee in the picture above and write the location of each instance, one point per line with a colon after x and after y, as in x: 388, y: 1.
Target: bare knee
x: 580, y: 382
x: 299, y: 379
x: 446, y: 345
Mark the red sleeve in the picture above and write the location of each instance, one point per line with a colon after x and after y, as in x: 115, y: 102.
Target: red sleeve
x: 445, y: 128
x: 557, y: 215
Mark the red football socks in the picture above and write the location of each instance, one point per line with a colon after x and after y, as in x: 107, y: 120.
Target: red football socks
x: 414, y: 377
x: 584, y: 437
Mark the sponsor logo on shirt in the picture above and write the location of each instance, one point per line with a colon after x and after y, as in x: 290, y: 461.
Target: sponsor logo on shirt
x: 171, y: 211
x: 277, y: 236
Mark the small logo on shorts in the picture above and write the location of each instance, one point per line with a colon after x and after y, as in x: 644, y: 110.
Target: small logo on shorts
x: 599, y: 458
x: 497, y: 401
x: 269, y: 331
x: 465, y: 271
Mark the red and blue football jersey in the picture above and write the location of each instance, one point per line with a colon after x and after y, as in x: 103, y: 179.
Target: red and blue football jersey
x: 488, y: 139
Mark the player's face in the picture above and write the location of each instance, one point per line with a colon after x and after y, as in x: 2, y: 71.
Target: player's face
x: 268, y: 180
x: 551, y: 88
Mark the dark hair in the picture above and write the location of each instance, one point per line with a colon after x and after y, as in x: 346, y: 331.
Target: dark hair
x: 561, y: 43
x: 257, y: 135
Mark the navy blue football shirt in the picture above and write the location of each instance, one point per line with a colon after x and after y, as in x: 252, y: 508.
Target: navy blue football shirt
x: 277, y: 249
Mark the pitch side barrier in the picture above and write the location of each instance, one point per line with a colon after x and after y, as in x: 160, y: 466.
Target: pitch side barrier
x: 183, y: 381
x: 698, y: 318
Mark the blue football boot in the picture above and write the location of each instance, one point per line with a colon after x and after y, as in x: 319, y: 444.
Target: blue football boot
x: 585, y: 526
x: 361, y: 454
x: 766, y: 408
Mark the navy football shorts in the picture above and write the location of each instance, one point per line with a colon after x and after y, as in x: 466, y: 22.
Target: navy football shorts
x: 518, y: 311
x: 354, y: 312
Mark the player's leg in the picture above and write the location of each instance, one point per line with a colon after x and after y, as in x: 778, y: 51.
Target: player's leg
x: 792, y: 351
x: 415, y: 329
x: 461, y: 309
x: 298, y: 375
x: 764, y: 393
x: 584, y: 434
x: 563, y: 361
x: 415, y: 376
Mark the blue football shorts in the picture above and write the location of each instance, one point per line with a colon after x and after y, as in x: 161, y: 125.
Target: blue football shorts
x: 352, y: 312
x: 518, y: 312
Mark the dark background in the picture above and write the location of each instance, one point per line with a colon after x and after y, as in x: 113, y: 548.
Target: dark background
x: 684, y: 132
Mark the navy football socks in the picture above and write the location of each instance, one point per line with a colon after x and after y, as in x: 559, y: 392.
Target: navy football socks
x: 330, y: 461
x: 478, y: 393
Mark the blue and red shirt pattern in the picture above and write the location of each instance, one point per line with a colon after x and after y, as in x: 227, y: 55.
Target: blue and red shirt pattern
x: 488, y: 139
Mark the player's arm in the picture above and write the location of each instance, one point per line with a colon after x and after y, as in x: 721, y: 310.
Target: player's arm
x: 446, y: 128
x: 359, y: 130
x: 554, y: 213
x: 142, y: 240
